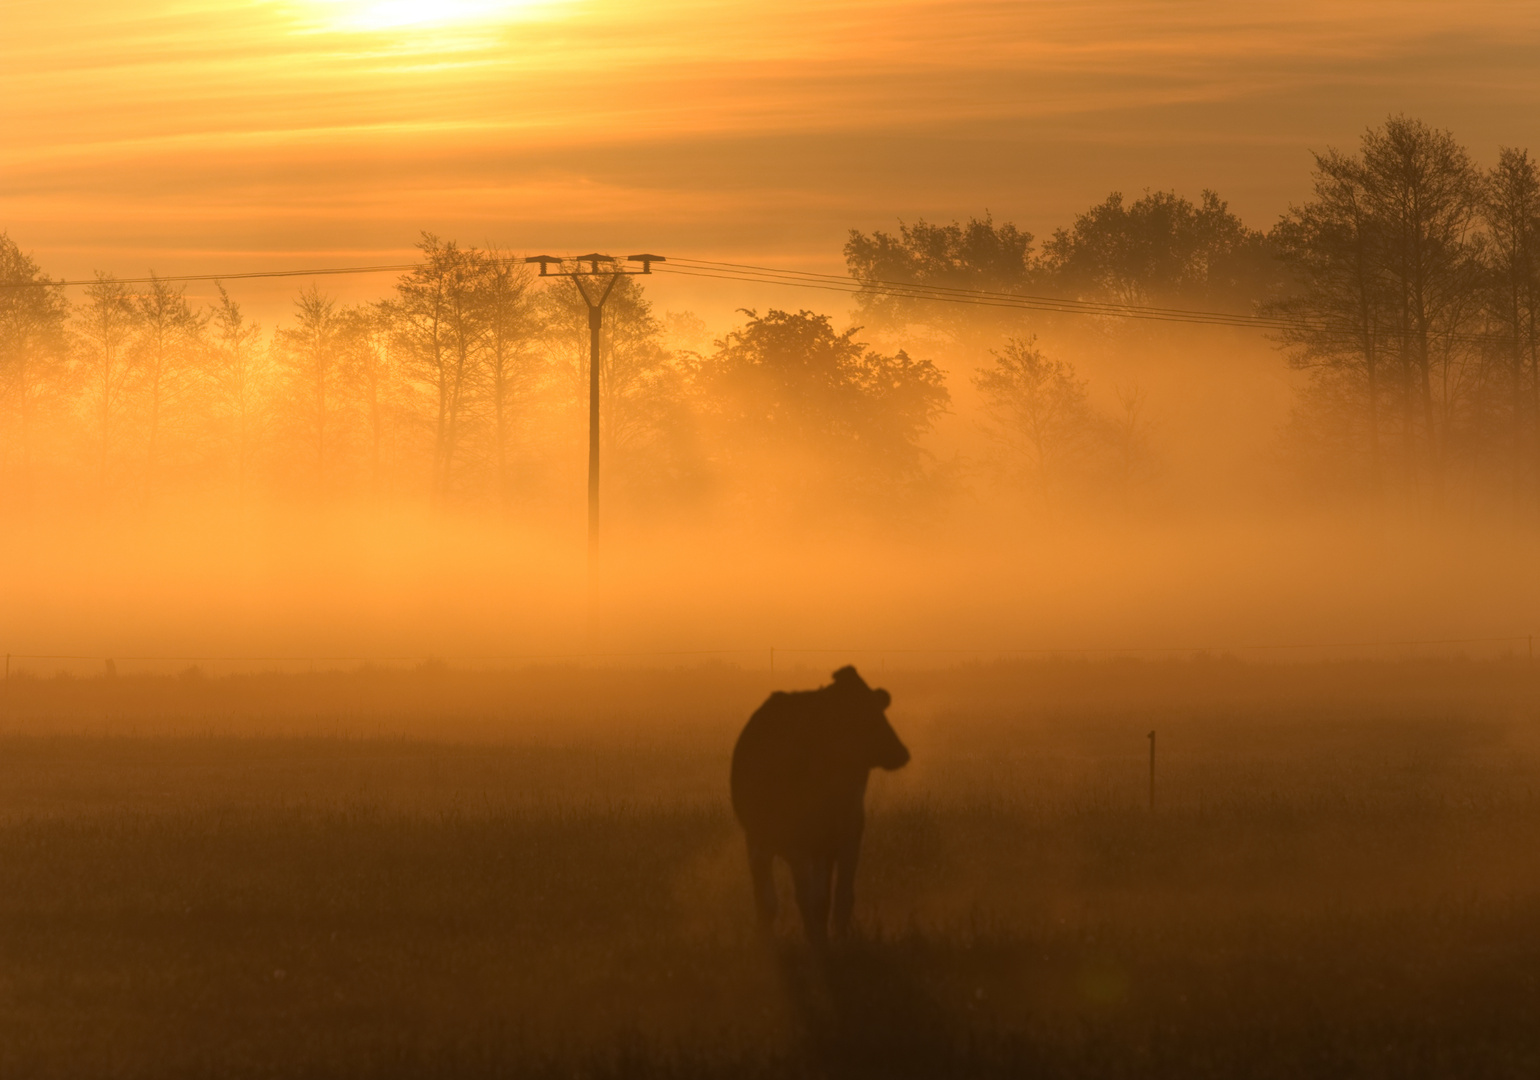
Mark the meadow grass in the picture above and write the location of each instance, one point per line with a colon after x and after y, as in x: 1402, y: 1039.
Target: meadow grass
x: 440, y: 874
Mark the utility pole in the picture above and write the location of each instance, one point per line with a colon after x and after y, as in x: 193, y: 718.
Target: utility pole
x: 608, y: 270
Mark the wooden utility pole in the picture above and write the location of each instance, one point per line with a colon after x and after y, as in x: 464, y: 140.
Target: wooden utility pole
x: 610, y: 270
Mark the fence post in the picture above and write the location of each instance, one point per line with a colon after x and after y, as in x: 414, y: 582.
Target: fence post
x: 1152, y: 772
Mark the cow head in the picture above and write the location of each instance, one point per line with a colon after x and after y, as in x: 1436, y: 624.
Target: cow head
x: 876, y: 744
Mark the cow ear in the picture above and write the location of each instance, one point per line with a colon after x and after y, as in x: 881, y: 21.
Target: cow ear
x: 847, y: 678
x: 884, y: 699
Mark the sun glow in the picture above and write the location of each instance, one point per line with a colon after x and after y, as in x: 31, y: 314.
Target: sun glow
x: 395, y: 14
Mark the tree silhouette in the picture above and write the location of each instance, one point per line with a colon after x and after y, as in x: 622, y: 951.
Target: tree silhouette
x: 1161, y: 249
x: 1039, y: 417
x: 312, y: 349
x: 104, y: 327
x: 166, y: 367
x: 978, y: 255
x: 1389, y: 304
x: 373, y: 376
x: 785, y: 382
x: 442, y: 334
x: 32, y: 355
x: 1511, y: 207
x: 510, y: 363
x: 240, y: 375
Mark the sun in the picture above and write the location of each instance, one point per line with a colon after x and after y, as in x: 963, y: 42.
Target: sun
x: 394, y: 14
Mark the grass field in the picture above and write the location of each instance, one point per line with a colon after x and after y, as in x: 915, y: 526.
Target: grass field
x: 454, y: 874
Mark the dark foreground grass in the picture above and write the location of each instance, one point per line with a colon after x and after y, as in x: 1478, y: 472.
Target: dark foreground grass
x: 1351, y: 890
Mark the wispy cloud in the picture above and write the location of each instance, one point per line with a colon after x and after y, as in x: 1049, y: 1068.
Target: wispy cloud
x: 415, y: 107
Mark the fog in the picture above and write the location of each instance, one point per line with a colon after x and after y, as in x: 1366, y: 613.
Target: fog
x: 1158, y: 430
x: 1220, y: 553
x: 294, y: 589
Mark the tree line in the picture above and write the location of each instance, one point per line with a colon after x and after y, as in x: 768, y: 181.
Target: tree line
x: 1406, y: 286
x: 1417, y: 280
x: 467, y: 384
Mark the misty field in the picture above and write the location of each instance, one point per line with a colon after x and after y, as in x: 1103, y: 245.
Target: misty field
x: 438, y: 873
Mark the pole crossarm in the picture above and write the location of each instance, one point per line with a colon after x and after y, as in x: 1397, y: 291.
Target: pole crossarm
x: 598, y: 265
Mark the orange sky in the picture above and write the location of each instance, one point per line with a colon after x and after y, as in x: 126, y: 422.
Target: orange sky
x: 191, y: 135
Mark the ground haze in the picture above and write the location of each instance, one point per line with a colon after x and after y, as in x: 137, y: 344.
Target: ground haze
x: 537, y: 872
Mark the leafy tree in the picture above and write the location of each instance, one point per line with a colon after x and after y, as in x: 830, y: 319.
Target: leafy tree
x: 1040, y: 420
x: 1130, y: 435
x: 1161, y: 249
x: 789, y: 383
x: 978, y: 255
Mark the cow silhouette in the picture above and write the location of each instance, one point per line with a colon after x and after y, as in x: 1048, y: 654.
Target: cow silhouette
x: 799, y: 785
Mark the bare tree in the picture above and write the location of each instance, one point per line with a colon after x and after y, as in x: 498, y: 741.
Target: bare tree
x: 1339, y: 316
x: 32, y: 352
x: 240, y: 374
x: 1424, y: 193
x: 510, y: 322
x: 104, y: 329
x: 312, y: 352
x: 443, y: 337
x: 168, y: 336
x: 1387, y: 257
x: 1130, y: 435
x: 375, y: 380
x: 1512, y: 211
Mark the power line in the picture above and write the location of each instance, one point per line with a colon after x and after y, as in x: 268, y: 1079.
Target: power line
x: 764, y: 275
x: 1032, y: 302
x: 754, y: 274
x: 983, y: 299
x: 238, y: 276
x: 884, y: 284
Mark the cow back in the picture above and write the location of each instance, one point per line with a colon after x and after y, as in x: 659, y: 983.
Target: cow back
x: 796, y: 787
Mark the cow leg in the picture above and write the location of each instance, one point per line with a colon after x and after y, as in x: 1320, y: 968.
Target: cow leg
x: 845, y: 888
x: 762, y: 872
x: 813, y: 879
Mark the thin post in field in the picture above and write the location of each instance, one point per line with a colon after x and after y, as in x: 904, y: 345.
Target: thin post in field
x: 1152, y: 772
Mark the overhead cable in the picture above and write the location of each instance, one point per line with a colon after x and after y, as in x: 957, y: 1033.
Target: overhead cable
x: 902, y: 290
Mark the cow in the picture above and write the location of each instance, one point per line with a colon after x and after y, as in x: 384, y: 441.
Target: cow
x: 798, y: 782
